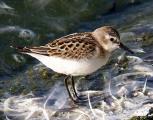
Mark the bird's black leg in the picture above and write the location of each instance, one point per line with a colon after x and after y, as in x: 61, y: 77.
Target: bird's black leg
x: 69, y: 93
x: 73, y: 95
x: 73, y: 87
x: 74, y: 90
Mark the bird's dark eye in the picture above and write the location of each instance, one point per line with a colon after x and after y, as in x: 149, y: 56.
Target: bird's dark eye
x: 112, y: 39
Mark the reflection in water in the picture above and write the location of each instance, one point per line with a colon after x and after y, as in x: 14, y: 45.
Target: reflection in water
x: 6, y: 9
x: 23, y: 33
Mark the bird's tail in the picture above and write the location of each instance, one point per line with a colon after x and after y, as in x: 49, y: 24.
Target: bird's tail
x: 42, y: 50
x: 21, y: 49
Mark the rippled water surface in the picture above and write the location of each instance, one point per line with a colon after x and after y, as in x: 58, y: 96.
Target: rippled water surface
x: 30, y: 91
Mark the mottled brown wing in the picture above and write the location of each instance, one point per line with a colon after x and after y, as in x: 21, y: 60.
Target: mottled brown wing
x: 77, y: 46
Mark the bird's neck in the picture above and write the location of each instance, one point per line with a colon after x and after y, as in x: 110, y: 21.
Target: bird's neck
x: 99, y: 37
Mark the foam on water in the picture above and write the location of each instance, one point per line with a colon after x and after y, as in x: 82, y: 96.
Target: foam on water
x: 127, y: 95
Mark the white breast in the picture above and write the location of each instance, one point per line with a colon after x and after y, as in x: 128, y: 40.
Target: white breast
x: 71, y: 67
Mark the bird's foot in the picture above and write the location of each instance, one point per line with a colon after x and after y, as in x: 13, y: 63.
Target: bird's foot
x: 84, y: 99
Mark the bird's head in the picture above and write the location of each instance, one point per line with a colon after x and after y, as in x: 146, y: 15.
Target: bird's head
x: 109, y: 39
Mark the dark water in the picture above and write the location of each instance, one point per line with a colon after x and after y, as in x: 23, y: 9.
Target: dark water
x: 31, y: 22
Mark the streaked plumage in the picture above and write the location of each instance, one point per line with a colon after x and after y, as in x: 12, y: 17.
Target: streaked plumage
x: 73, y: 46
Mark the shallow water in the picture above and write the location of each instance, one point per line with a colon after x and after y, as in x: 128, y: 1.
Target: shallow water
x: 35, y: 23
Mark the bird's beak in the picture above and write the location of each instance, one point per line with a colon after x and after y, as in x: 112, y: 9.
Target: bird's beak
x: 122, y: 46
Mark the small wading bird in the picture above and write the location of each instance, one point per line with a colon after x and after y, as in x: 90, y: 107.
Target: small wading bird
x: 77, y: 54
